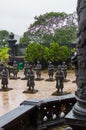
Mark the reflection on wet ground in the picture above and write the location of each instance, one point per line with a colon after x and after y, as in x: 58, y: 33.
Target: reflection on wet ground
x: 12, y: 99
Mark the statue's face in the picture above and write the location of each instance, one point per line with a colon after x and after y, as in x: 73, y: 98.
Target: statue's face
x: 38, y: 62
x: 14, y: 61
x: 59, y: 67
x: 63, y: 62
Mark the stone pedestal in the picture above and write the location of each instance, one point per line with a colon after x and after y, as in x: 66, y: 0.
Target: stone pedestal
x: 76, y: 122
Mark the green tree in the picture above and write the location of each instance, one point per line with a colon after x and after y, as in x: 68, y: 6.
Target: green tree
x: 64, y: 35
x: 25, y: 39
x: 46, y: 54
x: 34, y: 52
x: 45, y: 26
x: 4, y: 54
x: 3, y: 38
x: 38, y: 52
x: 56, y: 53
x: 64, y: 53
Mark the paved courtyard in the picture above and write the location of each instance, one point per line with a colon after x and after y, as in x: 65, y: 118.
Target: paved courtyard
x: 12, y: 99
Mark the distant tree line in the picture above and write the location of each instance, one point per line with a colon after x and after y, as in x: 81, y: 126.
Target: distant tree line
x: 52, y: 27
x: 48, y: 38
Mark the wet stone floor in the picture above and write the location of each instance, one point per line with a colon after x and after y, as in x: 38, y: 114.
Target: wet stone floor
x: 12, y: 99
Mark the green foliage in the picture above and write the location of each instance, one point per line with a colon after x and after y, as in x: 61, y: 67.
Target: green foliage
x: 57, y: 53
x: 25, y: 39
x: 46, y: 54
x: 52, y: 27
x: 3, y: 38
x: 42, y: 18
x: 34, y: 52
x: 54, y: 52
x: 65, y: 35
x: 48, y: 37
x: 64, y: 53
x: 4, y: 54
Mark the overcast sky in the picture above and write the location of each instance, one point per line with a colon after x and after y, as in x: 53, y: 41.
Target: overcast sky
x: 17, y: 15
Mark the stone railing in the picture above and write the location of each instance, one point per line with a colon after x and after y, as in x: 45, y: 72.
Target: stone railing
x: 38, y: 114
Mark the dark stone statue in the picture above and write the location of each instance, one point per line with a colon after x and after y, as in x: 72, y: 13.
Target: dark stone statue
x: 26, y: 67
x: 4, y: 80
x: 11, y: 35
x: 50, y: 70
x: 11, y: 42
x: 15, y: 69
x: 1, y: 68
x: 30, y: 81
x: 38, y: 68
x: 64, y: 68
x: 59, y: 79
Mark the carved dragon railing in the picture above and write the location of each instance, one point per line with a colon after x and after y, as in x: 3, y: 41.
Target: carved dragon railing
x: 38, y: 114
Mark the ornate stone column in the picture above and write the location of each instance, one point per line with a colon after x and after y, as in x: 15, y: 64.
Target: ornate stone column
x: 77, y: 117
x: 11, y: 42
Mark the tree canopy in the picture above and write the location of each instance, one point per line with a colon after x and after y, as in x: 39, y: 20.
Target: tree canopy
x: 4, y: 54
x: 52, y: 27
x: 38, y: 52
x: 56, y: 53
x: 3, y: 38
x: 34, y: 52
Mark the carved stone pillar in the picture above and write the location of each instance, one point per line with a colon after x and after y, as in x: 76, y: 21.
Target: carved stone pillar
x: 11, y: 42
x: 80, y: 107
x: 77, y: 117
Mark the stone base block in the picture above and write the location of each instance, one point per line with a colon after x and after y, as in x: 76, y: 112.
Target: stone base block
x: 76, y: 122
x: 30, y: 91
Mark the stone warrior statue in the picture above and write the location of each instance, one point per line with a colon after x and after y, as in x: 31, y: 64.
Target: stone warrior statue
x: 38, y: 70
x: 50, y: 70
x: 26, y: 67
x: 15, y: 69
x: 4, y: 76
x: 30, y: 81
x: 64, y: 68
x: 59, y: 79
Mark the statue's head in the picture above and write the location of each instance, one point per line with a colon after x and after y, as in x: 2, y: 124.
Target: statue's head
x: 26, y: 62
x: 14, y: 61
x: 64, y: 63
x: 50, y: 62
x: 38, y: 62
x: 30, y: 67
x: 11, y: 35
x: 59, y: 67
